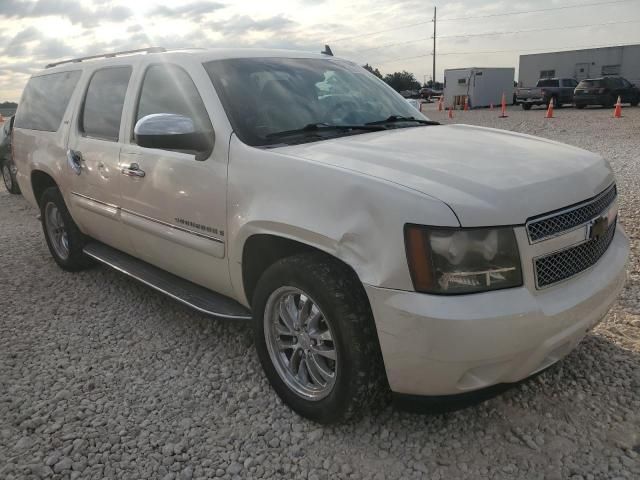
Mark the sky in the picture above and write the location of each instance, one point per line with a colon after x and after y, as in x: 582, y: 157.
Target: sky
x: 389, y: 35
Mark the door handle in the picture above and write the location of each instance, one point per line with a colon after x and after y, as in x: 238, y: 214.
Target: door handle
x: 133, y: 170
x: 74, y: 159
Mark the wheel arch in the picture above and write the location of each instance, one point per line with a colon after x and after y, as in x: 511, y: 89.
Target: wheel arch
x: 40, y: 181
x: 261, y: 249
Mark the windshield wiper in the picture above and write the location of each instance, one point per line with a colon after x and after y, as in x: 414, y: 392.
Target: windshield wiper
x: 325, y: 127
x: 399, y: 118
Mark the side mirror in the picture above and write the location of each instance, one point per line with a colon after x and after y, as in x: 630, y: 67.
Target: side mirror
x: 170, y: 131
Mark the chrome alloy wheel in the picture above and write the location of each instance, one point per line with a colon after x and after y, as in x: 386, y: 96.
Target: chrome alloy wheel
x: 300, y: 342
x: 56, y: 230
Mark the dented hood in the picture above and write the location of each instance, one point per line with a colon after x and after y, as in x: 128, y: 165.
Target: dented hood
x: 486, y: 176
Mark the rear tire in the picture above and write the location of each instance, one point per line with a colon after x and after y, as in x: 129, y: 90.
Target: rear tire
x: 9, y: 177
x: 580, y: 106
x: 64, y: 238
x: 307, y: 289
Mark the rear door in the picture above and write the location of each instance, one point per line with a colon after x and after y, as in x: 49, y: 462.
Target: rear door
x: 93, y: 156
x: 174, y: 201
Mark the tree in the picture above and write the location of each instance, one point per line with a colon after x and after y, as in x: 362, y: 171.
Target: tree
x: 400, y: 81
x: 375, y: 71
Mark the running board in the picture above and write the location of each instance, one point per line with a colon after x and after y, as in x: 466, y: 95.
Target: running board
x: 190, y: 294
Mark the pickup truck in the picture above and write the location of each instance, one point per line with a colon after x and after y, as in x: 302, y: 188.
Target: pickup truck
x: 558, y: 89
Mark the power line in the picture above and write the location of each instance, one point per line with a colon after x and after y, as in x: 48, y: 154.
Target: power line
x: 535, y: 11
x: 490, y: 34
x: 396, y: 44
x: 409, y: 25
x: 501, y: 51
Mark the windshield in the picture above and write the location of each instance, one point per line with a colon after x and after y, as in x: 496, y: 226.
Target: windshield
x: 547, y: 83
x: 264, y: 97
x: 590, y: 83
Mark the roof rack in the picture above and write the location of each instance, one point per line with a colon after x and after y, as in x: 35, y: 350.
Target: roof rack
x: 109, y: 55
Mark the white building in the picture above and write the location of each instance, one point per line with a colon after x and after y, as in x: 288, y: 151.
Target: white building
x: 481, y: 86
x: 580, y: 64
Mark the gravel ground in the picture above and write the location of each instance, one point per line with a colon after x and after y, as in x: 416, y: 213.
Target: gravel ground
x: 101, y: 377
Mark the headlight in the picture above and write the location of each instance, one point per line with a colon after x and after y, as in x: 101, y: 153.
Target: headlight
x: 450, y: 260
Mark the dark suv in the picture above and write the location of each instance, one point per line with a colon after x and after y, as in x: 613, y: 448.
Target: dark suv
x: 605, y: 91
x: 7, y: 166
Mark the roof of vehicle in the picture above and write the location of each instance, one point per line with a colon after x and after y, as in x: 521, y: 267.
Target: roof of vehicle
x: 600, y: 78
x: 199, y: 54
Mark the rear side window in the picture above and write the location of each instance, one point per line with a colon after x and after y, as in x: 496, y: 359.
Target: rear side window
x: 45, y: 100
x: 169, y: 89
x: 103, y: 103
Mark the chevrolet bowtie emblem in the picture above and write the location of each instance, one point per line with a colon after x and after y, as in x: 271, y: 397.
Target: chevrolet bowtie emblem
x: 598, y: 227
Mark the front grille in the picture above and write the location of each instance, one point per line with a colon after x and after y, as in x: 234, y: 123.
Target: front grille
x: 550, y: 226
x: 567, y: 263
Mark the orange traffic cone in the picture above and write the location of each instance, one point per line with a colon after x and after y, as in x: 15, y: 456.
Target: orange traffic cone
x: 450, y: 112
x: 491, y: 106
x: 440, y: 102
x: 504, y: 106
x: 466, y: 104
x: 549, y: 110
x: 617, y: 113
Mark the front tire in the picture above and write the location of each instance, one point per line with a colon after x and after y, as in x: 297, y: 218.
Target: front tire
x: 64, y: 238
x: 9, y: 177
x: 316, y: 338
x: 526, y: 106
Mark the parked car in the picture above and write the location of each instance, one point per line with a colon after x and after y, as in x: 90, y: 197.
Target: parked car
x: 558, y: 89
x: 605, y: 91
x: 6, y: 161
x: 371, y: 247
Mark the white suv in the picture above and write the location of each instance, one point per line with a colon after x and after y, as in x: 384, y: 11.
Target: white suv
x: 371, y: 247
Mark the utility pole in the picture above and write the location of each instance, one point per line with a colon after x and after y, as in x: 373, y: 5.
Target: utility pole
x: 433, y: 82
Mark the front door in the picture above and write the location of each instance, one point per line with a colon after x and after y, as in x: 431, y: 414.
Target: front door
x: 174, y: 201
x: 582, y: 71
x: 93, y: 156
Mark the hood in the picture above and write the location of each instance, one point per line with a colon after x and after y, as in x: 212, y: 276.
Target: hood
x: 488, y: 177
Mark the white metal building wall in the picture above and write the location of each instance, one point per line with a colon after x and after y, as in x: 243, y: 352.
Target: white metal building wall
x: 580, y: 64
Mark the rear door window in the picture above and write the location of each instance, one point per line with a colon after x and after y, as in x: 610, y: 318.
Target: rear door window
x: 45, y: 100
x: 103, y: 103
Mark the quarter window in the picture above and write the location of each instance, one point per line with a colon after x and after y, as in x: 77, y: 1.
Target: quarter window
x: 169, y: 89
x: 103, y: 104
x: 45, y: 100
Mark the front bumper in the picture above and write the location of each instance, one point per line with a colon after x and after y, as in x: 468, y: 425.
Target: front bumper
x: 591, y: 99
x: 444, y: 345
